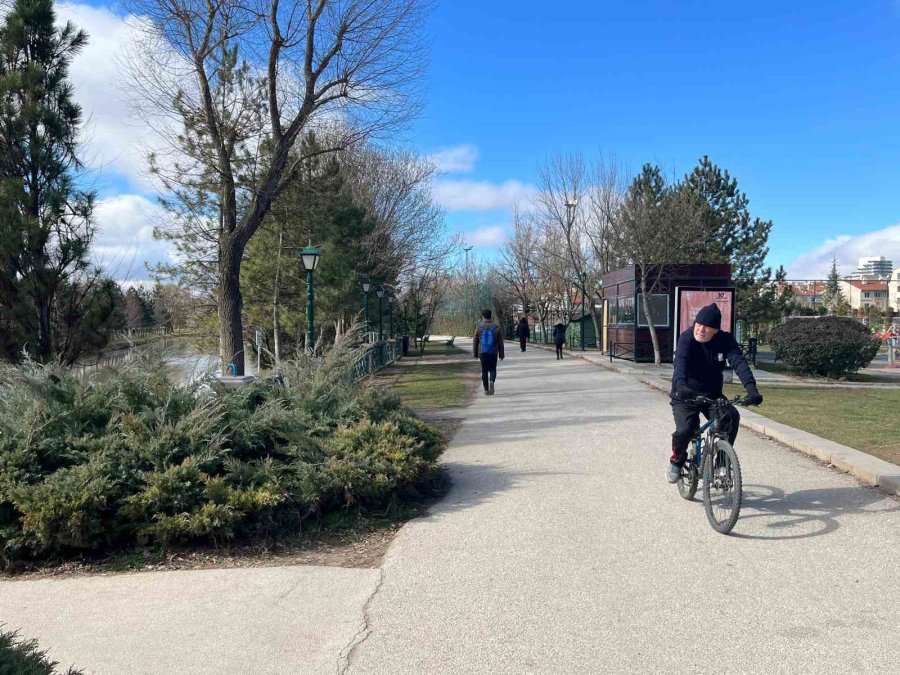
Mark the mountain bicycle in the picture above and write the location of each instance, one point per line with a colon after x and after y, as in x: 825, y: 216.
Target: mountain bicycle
x: 711, y: 456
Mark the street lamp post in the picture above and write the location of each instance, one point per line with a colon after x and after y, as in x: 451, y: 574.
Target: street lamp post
x: 467, y: 291
x: 379, y: 291
x: 390, y: 313
x: 366, y: 287
x: 310, y: 256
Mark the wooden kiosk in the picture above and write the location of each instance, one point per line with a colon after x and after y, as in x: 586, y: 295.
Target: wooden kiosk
x: 625, y: 331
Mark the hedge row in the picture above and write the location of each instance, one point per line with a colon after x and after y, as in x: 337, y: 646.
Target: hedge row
x: 134, y: 460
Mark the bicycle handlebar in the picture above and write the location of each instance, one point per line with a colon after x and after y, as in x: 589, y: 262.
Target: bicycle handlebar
x: 720, y: 402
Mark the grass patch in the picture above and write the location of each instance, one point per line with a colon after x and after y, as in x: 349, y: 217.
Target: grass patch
x: 865, y: 419
x: 437, y: 349
x: 431, y: 382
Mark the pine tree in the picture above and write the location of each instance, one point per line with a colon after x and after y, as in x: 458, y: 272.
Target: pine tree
x: 834, y: 296
x: 732, y: 235
x: 316, y: 207
x: 45, y: 220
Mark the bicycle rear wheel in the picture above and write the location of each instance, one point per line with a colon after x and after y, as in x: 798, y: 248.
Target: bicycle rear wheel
x: 687, y: 484
x: 722, y: 486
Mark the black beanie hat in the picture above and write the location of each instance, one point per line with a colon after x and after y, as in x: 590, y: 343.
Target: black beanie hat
x: 710, y: 316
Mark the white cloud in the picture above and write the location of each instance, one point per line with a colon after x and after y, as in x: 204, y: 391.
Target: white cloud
x: 487, y: 236
x: 848, y: 250
x: 114, y: 139
x: 124, y: 240
x: 470, y: 195
x: 458, y: 159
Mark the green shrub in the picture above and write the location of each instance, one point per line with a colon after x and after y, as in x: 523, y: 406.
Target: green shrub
x: 107, y: 464
x: 24, y: 657
x: 829, y: 346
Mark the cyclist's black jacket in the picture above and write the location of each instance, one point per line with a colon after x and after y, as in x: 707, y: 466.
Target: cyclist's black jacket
x: 700, y: 365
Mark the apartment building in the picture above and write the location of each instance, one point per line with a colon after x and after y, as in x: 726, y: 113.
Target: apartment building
x: 862, y: 294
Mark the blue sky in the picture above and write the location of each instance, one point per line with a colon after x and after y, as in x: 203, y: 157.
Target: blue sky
x: 798, y: 100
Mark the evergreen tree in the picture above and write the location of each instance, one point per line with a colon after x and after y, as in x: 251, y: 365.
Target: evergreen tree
x: 45, y: 220
x: 834, y: 296
x: 317, y: 207
x: 732, y: 235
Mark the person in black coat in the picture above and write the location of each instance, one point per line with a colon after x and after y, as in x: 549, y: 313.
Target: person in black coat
x: 559, y: 339
x: 701, y: 356
x: 522, y: 332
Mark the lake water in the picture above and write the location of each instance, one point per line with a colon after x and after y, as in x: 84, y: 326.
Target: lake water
x: 185, y: 362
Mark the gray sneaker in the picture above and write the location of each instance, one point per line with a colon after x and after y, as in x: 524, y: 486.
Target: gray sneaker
x: 492, y: 389
x: 673, y: 473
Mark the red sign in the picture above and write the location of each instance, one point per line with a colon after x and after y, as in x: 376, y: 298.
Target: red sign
x: 690, y: 301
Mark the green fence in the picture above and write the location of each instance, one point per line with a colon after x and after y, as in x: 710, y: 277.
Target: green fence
x: 380, y: 355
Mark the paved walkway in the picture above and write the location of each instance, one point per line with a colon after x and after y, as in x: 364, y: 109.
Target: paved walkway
x: 560, y: 549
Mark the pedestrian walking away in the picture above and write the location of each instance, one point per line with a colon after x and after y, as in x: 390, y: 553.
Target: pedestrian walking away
x: 522, y: 332
x: 701, y: 355
x: 488, y: 347
x: 559, y: 339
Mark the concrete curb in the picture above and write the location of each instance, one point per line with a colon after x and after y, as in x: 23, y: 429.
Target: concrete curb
x: 867, y: 469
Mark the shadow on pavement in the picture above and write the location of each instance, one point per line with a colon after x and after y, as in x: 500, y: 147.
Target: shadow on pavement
x: 475, y: 483
x: 816, y: 512
x: 497, y: 430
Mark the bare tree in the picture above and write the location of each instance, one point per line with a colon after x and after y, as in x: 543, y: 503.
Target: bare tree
x: 571, y: 205
x: 394, y: 186
x: 653, y: 229
x: 247, y: 80
x: 517, y: 267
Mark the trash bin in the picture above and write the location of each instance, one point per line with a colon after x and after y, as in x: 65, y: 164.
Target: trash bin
x: 405, y: 345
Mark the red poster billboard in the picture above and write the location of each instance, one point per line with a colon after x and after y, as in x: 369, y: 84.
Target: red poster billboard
x: 689, y: 301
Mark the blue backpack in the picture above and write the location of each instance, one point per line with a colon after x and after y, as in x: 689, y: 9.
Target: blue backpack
x: 487, y: 339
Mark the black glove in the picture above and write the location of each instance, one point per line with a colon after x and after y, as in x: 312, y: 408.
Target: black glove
x: 754, y: 397
x: 684, y: 392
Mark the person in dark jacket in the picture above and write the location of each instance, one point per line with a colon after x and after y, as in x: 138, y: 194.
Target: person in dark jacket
x: 487, y: 346
x: 522, y: 332
x: 701, y: 356
x: 559, y: 339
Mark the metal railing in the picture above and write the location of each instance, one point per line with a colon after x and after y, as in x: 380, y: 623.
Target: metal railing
x: 380, y: 355
x: 621, y: 350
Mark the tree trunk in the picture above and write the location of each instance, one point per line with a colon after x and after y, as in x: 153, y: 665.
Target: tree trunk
x: 657, y: 356
x: 596, y: 320
x: 230, y: 306
x: 45, y: 341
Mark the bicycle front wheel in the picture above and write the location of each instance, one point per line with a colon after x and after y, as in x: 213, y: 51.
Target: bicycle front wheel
x: 722, y: 486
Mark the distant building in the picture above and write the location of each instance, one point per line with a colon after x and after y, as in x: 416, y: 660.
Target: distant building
x: 862, y: 294
x: 805, y: 292
x: 873, y: 269
x: 894, y: 291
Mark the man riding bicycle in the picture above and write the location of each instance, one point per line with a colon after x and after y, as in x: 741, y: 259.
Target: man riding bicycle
x: 700, y: 359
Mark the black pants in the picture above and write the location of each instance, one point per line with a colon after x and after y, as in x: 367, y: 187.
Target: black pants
x: 559, y: 351
x: 522, y: 342
x: 687, y: 421
x: 488, y: 368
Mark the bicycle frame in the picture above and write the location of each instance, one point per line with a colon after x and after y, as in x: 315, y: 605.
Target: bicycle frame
x: 711, y: 429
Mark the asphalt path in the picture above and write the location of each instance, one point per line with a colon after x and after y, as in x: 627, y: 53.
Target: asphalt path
x: 562, y: 549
